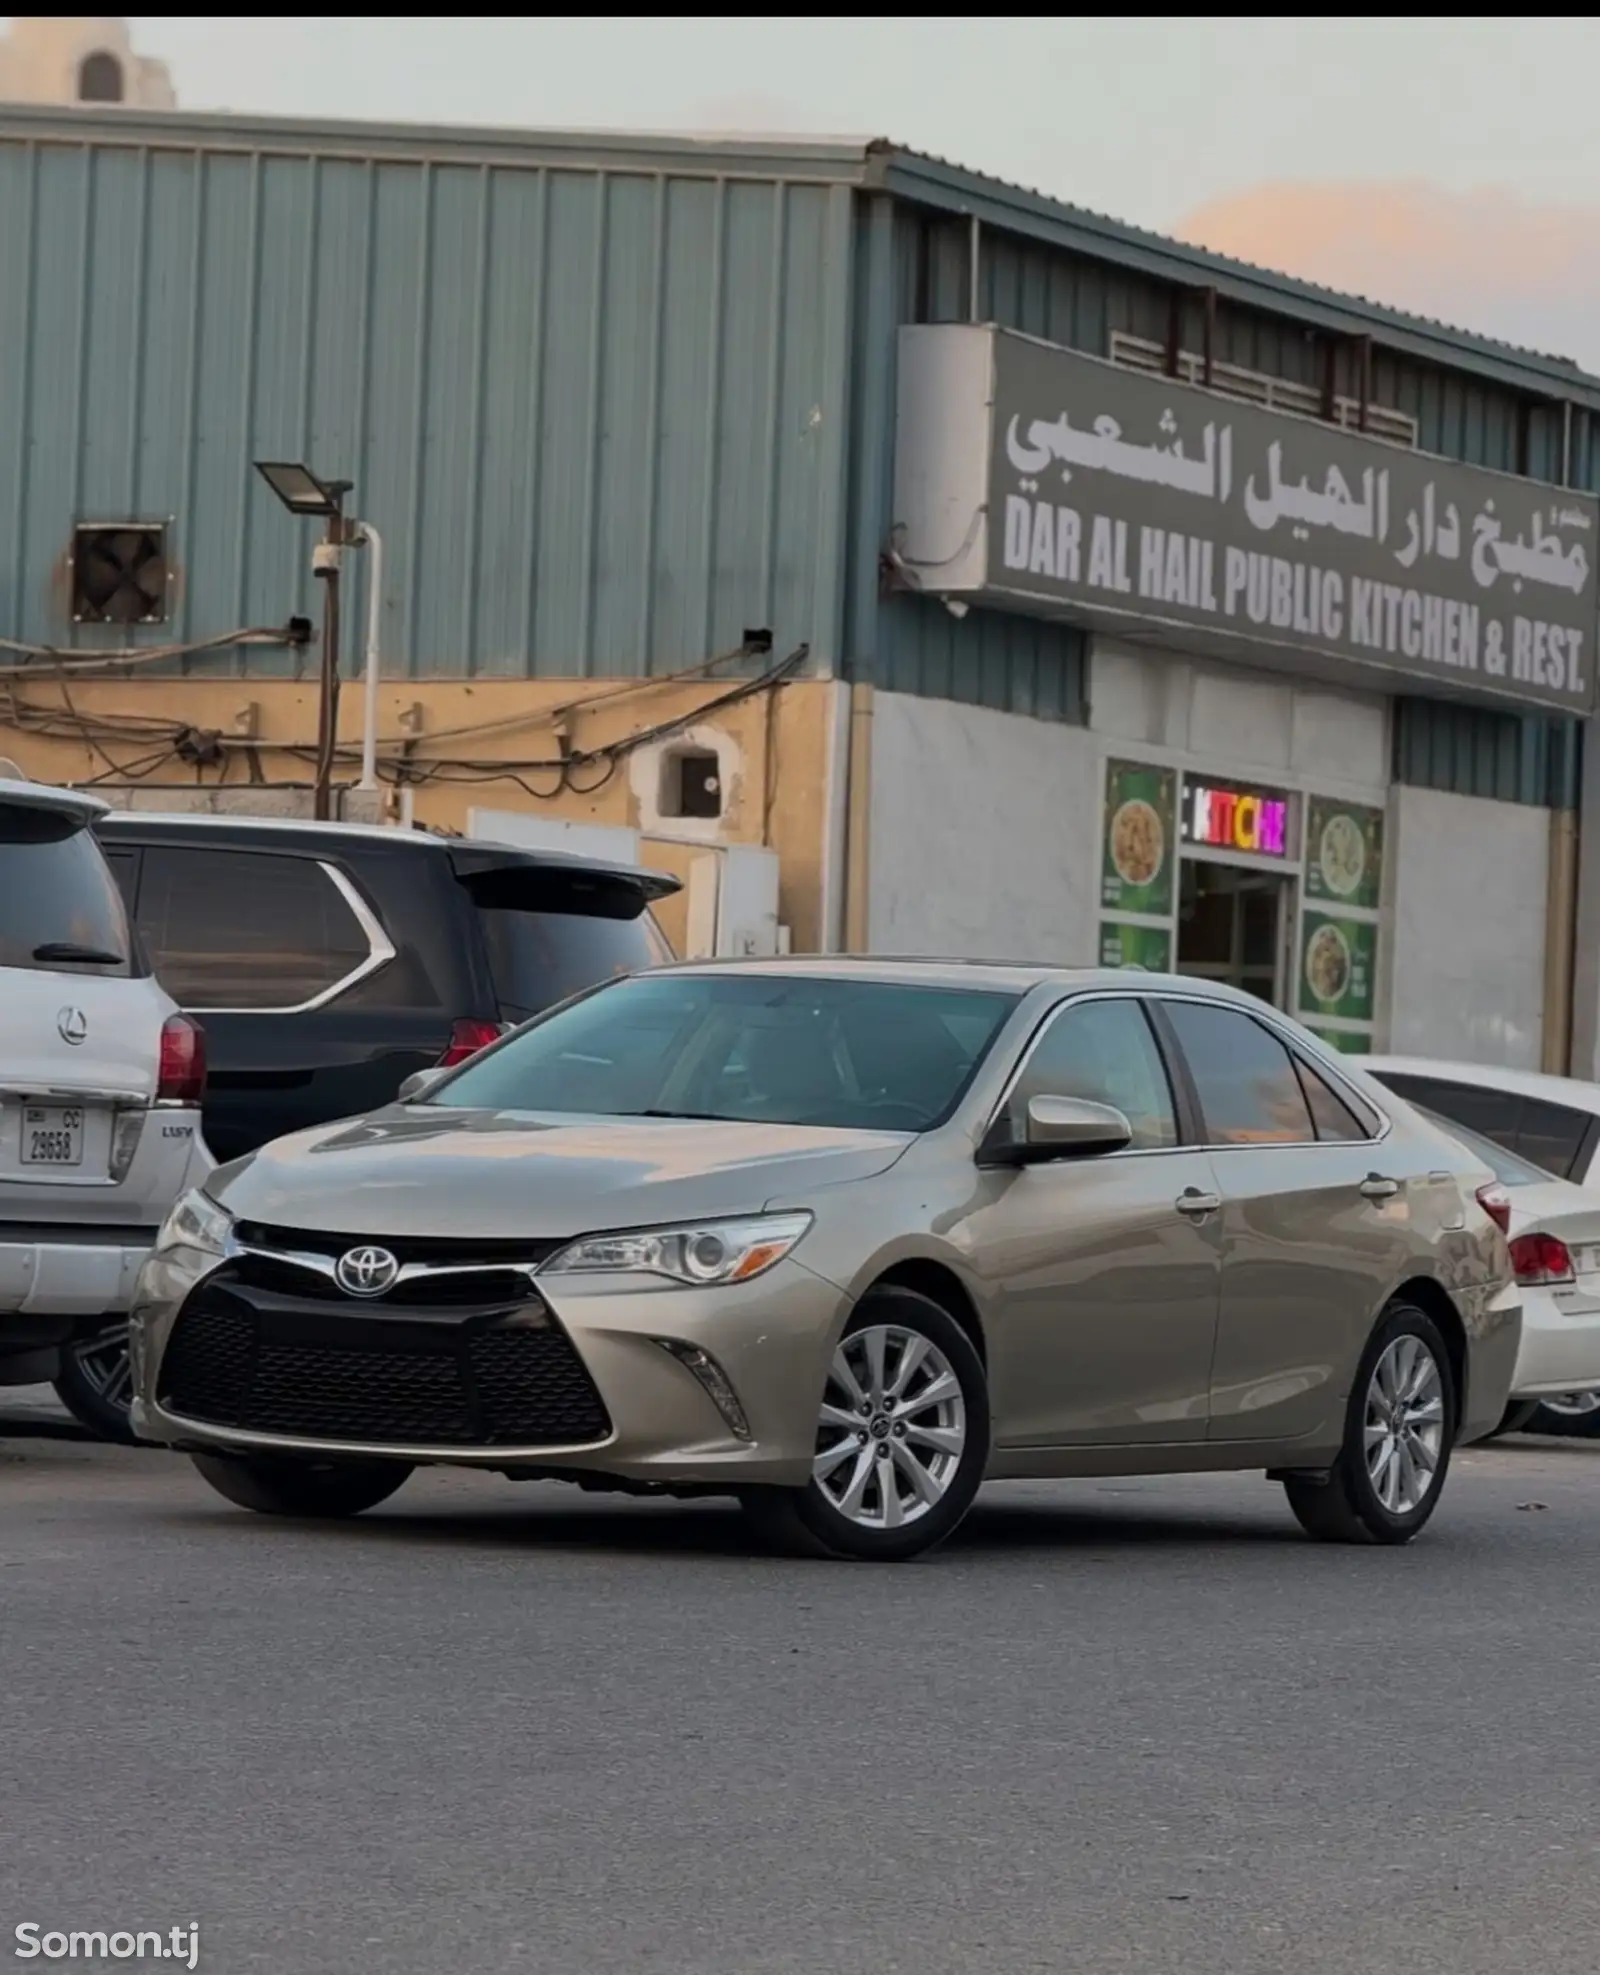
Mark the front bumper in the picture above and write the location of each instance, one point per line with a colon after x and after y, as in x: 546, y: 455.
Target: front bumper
x: 665, y: 1422
x: 1560, y: 1350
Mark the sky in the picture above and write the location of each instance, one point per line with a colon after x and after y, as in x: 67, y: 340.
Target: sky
x: 1447, y: 166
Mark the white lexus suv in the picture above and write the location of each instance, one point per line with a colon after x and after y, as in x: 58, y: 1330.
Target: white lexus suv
x: 101, y: 1078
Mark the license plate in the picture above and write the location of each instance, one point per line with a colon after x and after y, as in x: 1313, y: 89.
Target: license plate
x: 52, y: 1137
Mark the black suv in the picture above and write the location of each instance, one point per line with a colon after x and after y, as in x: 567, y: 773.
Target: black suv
x: 328, y: 961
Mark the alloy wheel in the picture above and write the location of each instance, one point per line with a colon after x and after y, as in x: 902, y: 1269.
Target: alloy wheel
x: 105, y: 1364
x: 1404, y: 1425
x: 892, y: 1430
x: 1572, y: 1405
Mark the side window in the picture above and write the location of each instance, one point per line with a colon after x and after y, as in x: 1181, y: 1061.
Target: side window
x: 1551, y: 1135
x: 1104, y: 1051
x: 1248, y: 1089
x: 245, y: 929
x: 1332, y: 1117
x: 1490, y: 1113
x: 125, y: 869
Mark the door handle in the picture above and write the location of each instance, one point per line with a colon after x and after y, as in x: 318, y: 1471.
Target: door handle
x: 1377, y: 1187
x: 1193, y: 1201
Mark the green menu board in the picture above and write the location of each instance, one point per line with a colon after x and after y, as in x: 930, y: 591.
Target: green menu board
x: 1338, y: 966
x: 1148, y: 948
x: 1139, y: 858
x: 1344, y: 853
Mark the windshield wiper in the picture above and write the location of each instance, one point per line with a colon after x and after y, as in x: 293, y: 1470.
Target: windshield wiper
x: 698, y: 1117
x: 68, y: 951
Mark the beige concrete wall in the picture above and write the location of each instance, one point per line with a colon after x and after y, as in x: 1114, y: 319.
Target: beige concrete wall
x: 487, y: 743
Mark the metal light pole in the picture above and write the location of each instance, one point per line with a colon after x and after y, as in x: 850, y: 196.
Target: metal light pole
x: 303, y: 493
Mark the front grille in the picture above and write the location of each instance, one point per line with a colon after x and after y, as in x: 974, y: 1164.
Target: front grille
x: 486, y: 1284
x: 442, y: 1251
x: 464, y: 1292
x: 243, y: 1357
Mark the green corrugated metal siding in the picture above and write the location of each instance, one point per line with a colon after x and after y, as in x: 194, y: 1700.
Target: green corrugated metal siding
x: 596, y: 415
x: 1473, y: 750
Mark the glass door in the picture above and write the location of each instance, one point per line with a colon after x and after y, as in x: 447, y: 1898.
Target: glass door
x: 1232, y: 926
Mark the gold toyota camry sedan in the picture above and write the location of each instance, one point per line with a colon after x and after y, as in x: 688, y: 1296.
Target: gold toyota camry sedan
x: 844, y: 1239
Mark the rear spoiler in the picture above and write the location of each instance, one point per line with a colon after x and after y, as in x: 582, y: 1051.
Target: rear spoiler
x: 502, y: 869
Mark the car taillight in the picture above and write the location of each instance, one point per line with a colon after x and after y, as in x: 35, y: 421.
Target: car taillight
x: 1496, y: 1203
x: 182, y: 1078
x: 466, y: 1039
x: 1540, y: 1258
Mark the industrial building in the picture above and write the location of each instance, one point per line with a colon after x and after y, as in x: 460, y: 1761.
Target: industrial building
x: 1019, y: 582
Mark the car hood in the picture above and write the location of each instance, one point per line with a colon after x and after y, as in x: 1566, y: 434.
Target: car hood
x: 499, y: 1174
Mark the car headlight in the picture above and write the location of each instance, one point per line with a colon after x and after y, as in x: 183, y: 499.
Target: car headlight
x: 706, y: 1254
x: 197, y: 1222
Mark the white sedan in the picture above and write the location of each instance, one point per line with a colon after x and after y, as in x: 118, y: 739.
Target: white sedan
x: 1553, y: 1228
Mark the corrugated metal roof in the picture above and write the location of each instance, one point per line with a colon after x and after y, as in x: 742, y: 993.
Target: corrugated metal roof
x: 864, y: 161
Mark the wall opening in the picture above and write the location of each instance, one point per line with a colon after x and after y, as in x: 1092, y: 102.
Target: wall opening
x: 100, y: 78
x: 691, y: 783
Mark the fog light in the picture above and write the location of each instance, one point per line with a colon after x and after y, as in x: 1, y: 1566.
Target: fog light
x: 714, y: 1380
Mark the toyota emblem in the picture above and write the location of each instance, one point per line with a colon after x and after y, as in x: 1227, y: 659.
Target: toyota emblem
x: 366, y: 1271
x: 72, y: 1025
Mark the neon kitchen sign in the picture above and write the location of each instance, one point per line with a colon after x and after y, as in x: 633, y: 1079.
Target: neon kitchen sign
x: 1235, y: 819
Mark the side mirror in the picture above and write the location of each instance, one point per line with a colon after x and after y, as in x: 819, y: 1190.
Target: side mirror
x: 1059, y: 1128
x: 417, y: 1086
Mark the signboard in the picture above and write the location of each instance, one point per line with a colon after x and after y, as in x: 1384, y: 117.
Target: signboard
x: 1228, y: 818
x: 1118, y: 495
x: 1146, y: 948
x: 1338, y: 967
x: 1139, y: 857
x: 1344, y: 853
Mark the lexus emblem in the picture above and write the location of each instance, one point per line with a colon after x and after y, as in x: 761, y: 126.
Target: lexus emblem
x: 73, y: 1025
x: 366, y: 1271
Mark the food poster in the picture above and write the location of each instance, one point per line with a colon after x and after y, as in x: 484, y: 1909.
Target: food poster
x: 1338, y: 967
x: 1139, y: 865
x: 1344, y: 853
x: 1146, y: 948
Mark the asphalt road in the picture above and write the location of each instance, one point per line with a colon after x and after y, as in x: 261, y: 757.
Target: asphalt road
x: 1130, y: 1726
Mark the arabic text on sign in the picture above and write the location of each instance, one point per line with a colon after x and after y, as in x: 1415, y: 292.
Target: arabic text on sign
x: 1233, y: 819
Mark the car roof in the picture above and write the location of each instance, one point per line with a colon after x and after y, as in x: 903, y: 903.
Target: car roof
x: 467, y: 853
x: 997, y: 976
x: 1576, y: 1094
x: 20, y: 794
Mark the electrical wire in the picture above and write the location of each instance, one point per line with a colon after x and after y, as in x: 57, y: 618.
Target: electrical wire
x: 181, y: 742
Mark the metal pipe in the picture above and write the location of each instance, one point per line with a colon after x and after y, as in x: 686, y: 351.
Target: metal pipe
x: 373, y: 543
x: 325, y: 562
x: 974, y: 265
x: 1566, y: 443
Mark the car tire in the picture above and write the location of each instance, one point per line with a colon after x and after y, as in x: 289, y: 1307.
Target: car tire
x: 315, y: 1490
x: 905, y: 1465
x: 1571, y: 1417
x: 1371, y: 1496
x: 95, y: 1381
x: 1515, y: 1419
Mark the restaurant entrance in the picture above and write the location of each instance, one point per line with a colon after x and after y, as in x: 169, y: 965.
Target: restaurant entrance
x: 1233, y: 926
x: 1236, y: 888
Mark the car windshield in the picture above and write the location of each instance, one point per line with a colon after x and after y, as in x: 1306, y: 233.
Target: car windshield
x: 768, y: 1048
x: 1507, y: 1168
x: 59, y: 904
